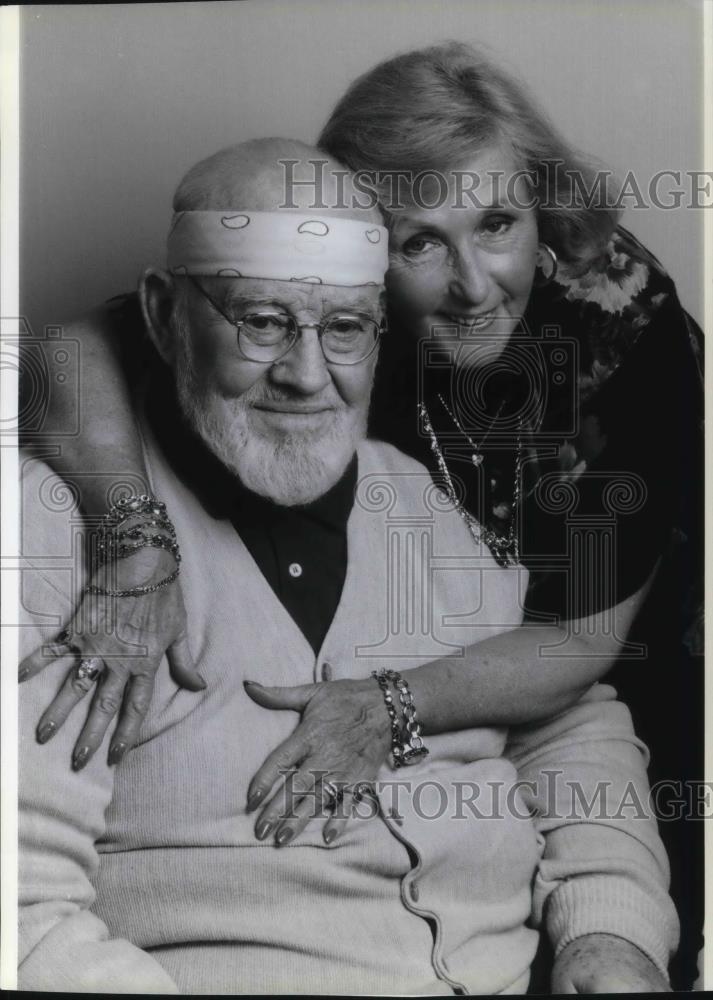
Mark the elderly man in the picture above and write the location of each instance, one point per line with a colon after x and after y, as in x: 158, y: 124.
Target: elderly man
x: 148, y: 877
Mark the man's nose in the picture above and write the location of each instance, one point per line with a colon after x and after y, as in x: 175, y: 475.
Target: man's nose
x: 470, y: 280
x: 303, y: 368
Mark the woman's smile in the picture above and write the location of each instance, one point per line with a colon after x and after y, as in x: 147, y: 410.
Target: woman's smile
x: 478, y: 322
x: 466, y: 265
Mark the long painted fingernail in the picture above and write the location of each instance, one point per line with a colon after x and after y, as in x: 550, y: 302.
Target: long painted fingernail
x: 80, y: 758
x: 262, y: 829
x: 204, y: 682
x: 46, y: 732
x: 251, y: 684
x: 254, y: 799
x: 116, y: 752
x: 23, y: 674
x: 329, y: 836
x: 284, y: 835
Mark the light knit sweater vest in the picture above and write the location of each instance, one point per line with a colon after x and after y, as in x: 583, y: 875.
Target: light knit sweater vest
x: 425, y: 901
x: 416, y: 587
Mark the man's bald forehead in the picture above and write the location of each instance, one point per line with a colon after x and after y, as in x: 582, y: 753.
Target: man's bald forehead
x: 254, y: 175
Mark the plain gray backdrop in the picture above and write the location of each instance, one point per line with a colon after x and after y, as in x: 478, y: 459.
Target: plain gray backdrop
x: 118, y: 100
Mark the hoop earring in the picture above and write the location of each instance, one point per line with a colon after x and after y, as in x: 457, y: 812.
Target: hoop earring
x: 543, y: 249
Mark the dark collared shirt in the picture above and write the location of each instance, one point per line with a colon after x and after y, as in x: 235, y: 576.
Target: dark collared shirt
x: 301, y: 551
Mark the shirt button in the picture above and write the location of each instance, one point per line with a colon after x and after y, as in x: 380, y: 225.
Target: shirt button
x: 414, y: 892
x: 295, y: 570
x: 326, y: 671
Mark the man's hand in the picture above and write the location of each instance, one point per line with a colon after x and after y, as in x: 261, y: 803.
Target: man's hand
x: 603, y: 963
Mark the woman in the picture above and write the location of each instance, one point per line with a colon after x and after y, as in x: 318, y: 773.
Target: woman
x: 558, y: 449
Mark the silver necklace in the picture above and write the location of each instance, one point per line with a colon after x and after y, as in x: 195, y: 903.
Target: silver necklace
x: 506, y: 550
x: 476, y: 458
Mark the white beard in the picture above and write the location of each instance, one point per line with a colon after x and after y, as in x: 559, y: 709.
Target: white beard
x: 289, y: 468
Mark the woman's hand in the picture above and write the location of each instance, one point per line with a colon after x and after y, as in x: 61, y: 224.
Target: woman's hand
x: 125, y: 637
x: 339, y: 745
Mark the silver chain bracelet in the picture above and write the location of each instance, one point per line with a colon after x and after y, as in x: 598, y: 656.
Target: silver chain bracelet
x: 407, y: 746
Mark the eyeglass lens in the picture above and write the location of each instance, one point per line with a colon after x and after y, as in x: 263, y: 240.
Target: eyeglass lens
x: 346, y: 339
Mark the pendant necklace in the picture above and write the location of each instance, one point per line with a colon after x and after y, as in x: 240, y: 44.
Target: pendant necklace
x: 476, y: 458
x: 505, y: 549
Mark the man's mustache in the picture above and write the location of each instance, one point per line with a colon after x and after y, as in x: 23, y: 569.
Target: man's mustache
x: 270, y: 394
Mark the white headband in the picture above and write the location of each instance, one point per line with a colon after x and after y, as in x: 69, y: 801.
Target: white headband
x: 288, y: 246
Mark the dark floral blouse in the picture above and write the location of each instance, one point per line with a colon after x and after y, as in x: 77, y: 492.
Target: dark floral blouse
x: 601, y: 394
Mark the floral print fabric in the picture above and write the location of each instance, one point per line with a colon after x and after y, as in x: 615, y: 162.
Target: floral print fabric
x: 621, y: 425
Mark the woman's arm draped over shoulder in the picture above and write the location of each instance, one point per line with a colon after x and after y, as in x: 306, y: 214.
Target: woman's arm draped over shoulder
x: 106, y: 452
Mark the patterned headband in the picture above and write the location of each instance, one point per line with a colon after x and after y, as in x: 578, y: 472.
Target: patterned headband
x: 288, y: 246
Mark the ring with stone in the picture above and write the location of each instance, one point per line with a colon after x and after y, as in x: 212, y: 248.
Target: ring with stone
x: 333, y: 793
x: 89, y: 668
x: 362, y: 790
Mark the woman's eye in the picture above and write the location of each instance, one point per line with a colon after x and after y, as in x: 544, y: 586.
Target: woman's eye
x: 416, y: 245
x: 498, y: 225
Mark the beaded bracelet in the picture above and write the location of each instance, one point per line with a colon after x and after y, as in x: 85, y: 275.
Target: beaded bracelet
x: 117, y: 544
x: 137, y: 504
x: 122, y: 544
x: 407, y: 747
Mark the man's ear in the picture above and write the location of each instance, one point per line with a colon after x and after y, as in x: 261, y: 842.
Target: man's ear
x: 157, y: 293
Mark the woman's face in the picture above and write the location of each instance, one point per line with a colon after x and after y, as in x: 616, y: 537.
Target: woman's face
x: 467, y: 265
